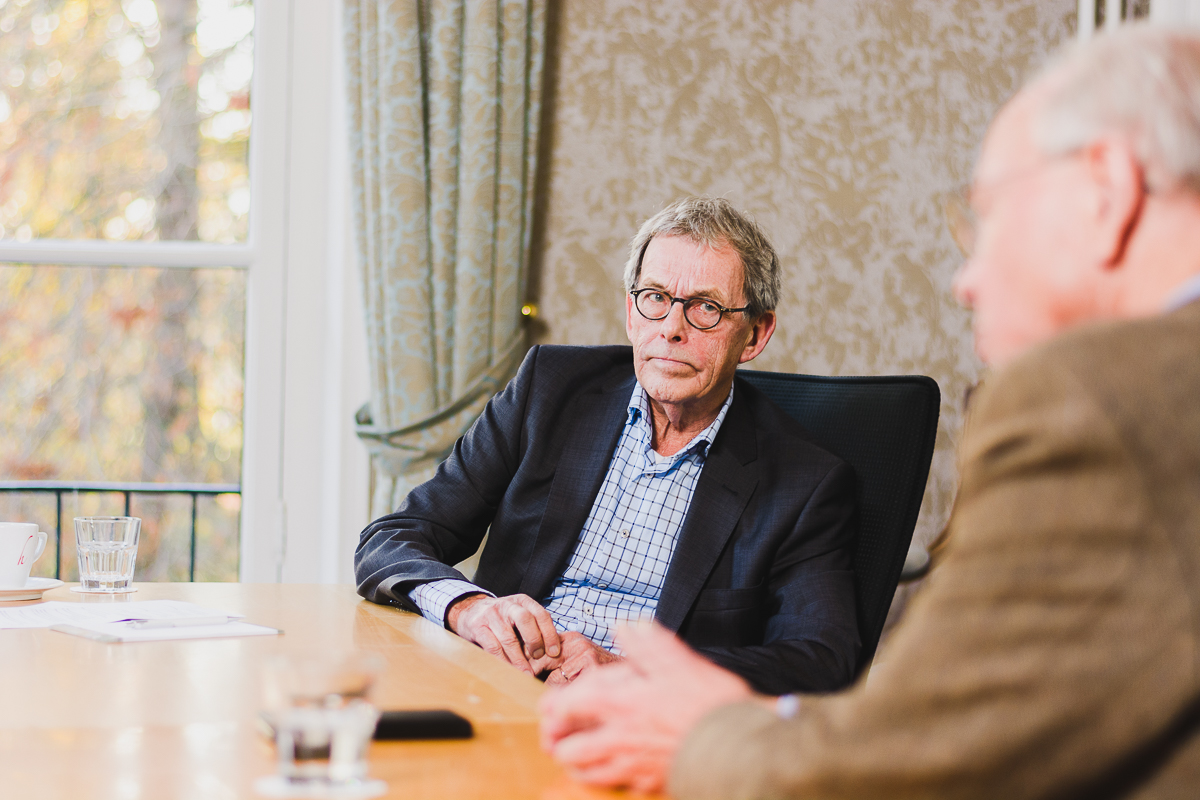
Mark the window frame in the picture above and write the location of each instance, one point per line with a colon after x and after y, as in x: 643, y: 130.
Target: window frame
x: 304, y: 477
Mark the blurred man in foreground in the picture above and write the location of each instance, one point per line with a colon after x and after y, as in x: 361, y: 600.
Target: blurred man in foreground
x: 1055, y: 650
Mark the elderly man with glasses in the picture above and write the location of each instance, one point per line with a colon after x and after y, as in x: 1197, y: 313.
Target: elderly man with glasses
x: 616, y: 483
x: 1054, y: 651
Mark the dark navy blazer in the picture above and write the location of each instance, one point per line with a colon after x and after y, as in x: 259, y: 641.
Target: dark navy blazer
x: 760, y: 582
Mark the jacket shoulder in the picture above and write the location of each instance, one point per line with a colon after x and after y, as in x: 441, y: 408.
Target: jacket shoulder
x: 551, y: 375
x: 566, y: 357
x: 1126, y: 367
x: 780, y: 433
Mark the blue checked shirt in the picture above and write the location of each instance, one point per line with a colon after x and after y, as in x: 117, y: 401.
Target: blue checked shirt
x: 620, y: 563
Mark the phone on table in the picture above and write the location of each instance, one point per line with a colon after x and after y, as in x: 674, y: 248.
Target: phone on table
x: 437, y: 723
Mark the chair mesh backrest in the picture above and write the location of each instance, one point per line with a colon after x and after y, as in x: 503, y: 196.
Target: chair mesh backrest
x: 884, y: 427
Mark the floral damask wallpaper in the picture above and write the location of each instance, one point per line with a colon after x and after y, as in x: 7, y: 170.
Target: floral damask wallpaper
x: 839, y: 124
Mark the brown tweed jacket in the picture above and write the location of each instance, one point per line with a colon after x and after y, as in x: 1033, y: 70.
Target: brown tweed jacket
x: 1054, y: 649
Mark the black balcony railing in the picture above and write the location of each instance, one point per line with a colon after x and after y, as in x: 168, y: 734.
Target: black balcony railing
x: 59, y: 488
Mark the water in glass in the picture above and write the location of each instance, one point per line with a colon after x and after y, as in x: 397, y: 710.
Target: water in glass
x: 321, y: 744
x: 107, y: 548
x: 319, y: 707
x: 105, y: 566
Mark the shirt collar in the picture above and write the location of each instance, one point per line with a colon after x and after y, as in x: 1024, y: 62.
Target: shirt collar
x: 1187, y: 292
x: 639, y: 409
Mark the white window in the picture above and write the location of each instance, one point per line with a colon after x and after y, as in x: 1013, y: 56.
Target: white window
x: 164, y: 204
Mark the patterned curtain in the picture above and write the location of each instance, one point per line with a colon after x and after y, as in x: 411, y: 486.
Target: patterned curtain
x: 445, y: 100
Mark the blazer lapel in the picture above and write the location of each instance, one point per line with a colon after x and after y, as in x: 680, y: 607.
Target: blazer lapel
x: 725, y: 486
x: 597, y: 422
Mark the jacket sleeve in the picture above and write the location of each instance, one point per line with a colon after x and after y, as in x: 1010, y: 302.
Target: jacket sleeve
x: 442, y: 521
x: 1050, y: 647
x: 810, y: 640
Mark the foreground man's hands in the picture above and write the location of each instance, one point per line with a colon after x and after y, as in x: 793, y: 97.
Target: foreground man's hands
x: 515, y: 628
x: 622, y: 725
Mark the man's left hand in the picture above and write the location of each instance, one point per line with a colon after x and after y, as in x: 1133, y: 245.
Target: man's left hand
x: 622, y: 725
x: 579, y: 654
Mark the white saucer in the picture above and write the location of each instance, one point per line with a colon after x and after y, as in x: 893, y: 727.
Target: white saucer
x: 276, y: 786
x: 32, y: 590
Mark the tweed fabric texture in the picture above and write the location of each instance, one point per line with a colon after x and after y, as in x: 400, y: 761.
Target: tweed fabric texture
x: 1054, y: 650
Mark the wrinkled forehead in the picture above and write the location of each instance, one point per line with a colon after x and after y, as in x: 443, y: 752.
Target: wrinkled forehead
x: 700, y: 266
x: 683, y: 255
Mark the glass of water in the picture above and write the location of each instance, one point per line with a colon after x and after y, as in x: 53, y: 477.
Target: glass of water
x: 107, y: 548
x: 319, y: 710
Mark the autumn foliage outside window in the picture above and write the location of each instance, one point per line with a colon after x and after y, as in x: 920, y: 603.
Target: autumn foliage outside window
x: 125, y: 121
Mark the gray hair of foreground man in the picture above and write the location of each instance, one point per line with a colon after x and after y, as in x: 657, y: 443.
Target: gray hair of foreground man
x: 713, y: 222
x: 1142, y: 82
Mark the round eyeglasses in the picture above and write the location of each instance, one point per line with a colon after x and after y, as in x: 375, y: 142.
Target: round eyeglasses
x: 700, y: 312
x: 959, y: 207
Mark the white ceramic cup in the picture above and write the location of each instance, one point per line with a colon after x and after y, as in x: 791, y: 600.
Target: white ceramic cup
x: 21, y: 543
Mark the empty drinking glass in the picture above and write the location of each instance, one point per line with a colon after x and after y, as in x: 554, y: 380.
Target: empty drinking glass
x: 319, y: 709
x: 107, y: 548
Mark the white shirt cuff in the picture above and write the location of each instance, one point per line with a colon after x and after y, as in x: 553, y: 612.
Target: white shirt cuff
x: 435, y: 597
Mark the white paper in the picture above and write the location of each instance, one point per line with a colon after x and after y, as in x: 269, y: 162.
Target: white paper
x: 57, y: 612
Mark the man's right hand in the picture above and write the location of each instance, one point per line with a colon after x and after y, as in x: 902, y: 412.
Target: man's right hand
x: 623, y: 724
x: 515, y: 628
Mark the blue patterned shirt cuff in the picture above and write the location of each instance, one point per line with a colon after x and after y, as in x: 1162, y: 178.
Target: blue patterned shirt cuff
x: 435, y: 597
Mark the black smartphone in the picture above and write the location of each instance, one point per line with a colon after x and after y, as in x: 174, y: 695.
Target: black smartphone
x: 433, y: 724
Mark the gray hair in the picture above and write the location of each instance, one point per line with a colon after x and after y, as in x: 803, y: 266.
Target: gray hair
x: 713, y: 222
x: 1140, y: 81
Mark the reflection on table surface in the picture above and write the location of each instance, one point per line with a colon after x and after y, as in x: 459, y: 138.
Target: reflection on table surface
x: 176, y: 719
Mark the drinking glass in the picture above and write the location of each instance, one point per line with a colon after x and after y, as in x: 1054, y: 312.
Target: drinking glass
x: 107, y: 548
x: 319, y: 709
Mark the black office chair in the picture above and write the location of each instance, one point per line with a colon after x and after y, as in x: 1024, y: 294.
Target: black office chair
x: 884, y: 427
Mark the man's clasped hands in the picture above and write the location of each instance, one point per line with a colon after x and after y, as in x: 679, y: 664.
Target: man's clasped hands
x: 519, y: 630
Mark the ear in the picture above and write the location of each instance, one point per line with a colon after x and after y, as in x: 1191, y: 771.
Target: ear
x: 1117, y: 180
x: 760, y: 334
x: 629, y: 312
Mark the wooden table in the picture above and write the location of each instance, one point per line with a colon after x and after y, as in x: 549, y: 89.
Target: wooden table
x: 83, y: 719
